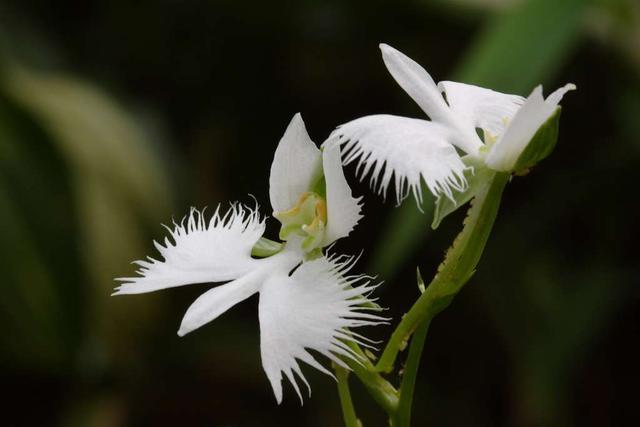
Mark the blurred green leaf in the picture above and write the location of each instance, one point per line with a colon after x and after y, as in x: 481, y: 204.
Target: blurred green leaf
x: 117, y: 184
x: 549, y: 327
x: 524, y: 45
x: 37, y: 243
x: 95, y: 135
x: 30, y: 303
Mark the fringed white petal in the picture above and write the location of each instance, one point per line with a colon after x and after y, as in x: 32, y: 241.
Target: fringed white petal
x: 310, y: 310
x: 535, y: 111
x: 410, y: 149
x: 343, y: 210
x: 200, y: 251
x: 295, y: 164
x: 216, y: 301
x: 480, y: 107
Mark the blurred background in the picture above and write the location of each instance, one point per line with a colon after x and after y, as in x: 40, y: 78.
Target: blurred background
x: 118, y: 116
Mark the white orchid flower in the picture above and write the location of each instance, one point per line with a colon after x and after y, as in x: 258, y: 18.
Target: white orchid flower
x: 307, y: 300
x: 415, y: 149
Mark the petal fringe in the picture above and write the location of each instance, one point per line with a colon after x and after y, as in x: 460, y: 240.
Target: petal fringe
x: 411, y: 149
x: 313, y: 309
x: 200, y: 251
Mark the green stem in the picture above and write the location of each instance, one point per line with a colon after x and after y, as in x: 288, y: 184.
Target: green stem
x: 403, y: 414
x: 348, y: 411
x: 381, y: 390
x: 456, y: 269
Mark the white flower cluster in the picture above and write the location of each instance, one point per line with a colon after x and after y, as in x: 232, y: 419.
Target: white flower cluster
x: 308, y: 300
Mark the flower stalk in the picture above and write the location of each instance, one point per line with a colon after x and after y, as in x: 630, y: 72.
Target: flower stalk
x: 348, y: 411
x: 456, y: 269
x: 381, y: 390
x: 402, y: 417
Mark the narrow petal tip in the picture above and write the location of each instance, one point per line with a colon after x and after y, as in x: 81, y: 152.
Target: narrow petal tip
x: 556, y: 97
x: 387, y: 50
x: 537, y: 91
x: 183, y: 331
x: 187, y: 326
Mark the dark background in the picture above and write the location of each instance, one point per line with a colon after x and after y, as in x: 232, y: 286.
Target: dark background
x: 116, y: 116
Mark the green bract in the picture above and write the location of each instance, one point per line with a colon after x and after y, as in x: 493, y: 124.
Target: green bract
x: 477, y: 176
x: 541, y: 145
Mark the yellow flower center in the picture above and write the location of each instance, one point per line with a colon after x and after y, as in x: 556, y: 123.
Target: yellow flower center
x: 306, y: 219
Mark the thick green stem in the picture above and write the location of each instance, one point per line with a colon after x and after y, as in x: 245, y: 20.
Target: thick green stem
x: 348, y: 411
x: 381, y: 390
x: 402, y: 417
x: 457, y: 267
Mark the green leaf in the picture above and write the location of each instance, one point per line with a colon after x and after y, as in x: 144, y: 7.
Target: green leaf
x: 541, y: 145
x: 477, y: 176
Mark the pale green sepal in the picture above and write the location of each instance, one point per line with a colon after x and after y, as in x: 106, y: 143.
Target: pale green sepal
x: 541, y: 145
x: 266, y: 248
x: 477, y: 175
